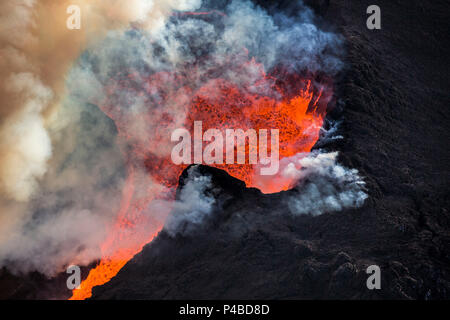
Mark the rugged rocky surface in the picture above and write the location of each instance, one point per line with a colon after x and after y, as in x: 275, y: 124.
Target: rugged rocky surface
x: 393, y: 100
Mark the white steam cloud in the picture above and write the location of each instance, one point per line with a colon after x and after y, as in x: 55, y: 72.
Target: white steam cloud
x: 224, y: 46
x: 324, y: 185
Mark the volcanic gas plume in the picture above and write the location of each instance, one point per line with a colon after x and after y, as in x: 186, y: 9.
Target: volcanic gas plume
x: 234, y: 66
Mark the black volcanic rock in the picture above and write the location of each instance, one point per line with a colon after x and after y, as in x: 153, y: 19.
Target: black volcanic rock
x: 393, y: 102
x: 252, y: 247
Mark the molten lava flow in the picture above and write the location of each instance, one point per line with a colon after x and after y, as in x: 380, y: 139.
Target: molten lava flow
x: 288, y: 102
x: 116, y: 255
x: 232, y: 108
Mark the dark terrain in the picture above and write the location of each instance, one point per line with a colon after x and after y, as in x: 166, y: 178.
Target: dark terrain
x: 393, y: 99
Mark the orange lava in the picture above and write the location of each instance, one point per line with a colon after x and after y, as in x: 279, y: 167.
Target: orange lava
x: 296, y: 106
x: 295, y: 117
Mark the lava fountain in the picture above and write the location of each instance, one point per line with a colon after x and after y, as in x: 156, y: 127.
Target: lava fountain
x: 226, y: 90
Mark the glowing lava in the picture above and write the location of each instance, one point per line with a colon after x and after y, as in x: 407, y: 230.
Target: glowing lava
x: 294, y: 104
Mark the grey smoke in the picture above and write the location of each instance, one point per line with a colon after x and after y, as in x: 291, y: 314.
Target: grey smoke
x: 193, y: 205
x: 324, y: 185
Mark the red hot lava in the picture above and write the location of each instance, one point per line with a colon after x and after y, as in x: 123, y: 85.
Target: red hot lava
x: 293, y: 103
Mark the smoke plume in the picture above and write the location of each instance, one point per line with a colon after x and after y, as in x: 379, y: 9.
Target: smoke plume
x: 45, y: 202
x: 193, y: 205
x: 323, y: 184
